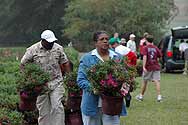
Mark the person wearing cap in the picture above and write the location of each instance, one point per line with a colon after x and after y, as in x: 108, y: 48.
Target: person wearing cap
x: 131, y: 43
x: 112, y: 41
x: 51, y: 58
x: 115, y: 36
x: 123, y: 42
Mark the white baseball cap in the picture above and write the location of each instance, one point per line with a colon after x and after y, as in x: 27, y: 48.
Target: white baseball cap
x: 132, y: 35
x: 48, y: 35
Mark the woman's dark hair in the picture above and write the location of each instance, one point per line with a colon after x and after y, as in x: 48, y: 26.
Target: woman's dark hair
x: 97, y: 34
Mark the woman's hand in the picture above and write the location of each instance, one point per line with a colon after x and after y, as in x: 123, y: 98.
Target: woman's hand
x: 124, y: 89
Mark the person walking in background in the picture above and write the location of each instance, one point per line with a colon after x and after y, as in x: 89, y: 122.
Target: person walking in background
x: 91, y: 104
x: 50, y: 57
x: 142, y: 44
x: 124, y: 51
x: 183, y: 47
x: 123, y: 42
x: 151, y: 67
x: 116, y: 35
x: 131, y: 43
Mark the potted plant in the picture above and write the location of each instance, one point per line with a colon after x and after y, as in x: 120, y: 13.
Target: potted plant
x: 73, y: 91
x: 112, y: 80
x: 72, y: 106
x: 31, y: 82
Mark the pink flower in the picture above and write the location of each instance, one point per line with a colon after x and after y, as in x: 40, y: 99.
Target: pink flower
x: 24, y: 94
x: 111, y: 81
x: 102, y: 82
x: 117, y: 60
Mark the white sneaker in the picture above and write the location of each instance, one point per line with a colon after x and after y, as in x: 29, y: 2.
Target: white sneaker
x: 184, y: 73
x: 159, y: 98
x: 139, y: 97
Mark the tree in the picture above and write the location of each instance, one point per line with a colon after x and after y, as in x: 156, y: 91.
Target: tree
x: 83, y: 17
x: 23, y: 21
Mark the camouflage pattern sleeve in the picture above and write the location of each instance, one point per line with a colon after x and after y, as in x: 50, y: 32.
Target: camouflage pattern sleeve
x: 63, y: 57
x: 28, y: 57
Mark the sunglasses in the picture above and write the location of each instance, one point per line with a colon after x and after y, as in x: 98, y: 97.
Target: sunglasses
x: 104, y: 38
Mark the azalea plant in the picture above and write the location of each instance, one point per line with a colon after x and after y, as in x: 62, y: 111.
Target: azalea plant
x: 73, y: 92
x: 32, y: 80
x: 112, y: 78
x: 70, y: 84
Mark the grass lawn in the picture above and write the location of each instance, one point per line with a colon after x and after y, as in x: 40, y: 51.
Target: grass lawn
x: 173, y: 110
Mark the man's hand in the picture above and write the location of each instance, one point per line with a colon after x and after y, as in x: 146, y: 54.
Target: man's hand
x: 66, y: 67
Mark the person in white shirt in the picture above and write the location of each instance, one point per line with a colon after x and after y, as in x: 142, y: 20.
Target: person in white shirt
x: 131, y: 43
x: 183, y: 47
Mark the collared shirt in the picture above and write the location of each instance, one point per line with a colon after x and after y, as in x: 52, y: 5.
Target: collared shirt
x: 111, y: 54
x: 183, y: 46
x: 89, y: 104
x: 123, y: 50
x: 48, y: 60
x: 132, y: 45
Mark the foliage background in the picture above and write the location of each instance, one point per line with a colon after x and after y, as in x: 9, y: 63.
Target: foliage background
x: 84, y: 17
x: 75, y: 20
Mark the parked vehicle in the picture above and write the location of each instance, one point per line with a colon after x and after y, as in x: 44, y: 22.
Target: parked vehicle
x: 169, y: 45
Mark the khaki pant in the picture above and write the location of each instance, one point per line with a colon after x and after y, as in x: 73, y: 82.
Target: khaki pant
x: 51, y: 110
x: 186, y: 66
x: 186, y: 61
x: 151, y: 75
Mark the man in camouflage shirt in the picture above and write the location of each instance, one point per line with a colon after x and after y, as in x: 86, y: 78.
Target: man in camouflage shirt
x: 50, y: 57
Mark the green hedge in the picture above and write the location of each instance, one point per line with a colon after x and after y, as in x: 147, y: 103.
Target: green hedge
x: 14, y: 117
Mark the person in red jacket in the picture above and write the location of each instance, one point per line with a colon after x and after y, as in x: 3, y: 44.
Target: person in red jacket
x: 123, y: 50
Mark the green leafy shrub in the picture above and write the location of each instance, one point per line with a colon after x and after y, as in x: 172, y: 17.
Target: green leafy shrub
x: 31, y: 79
x: 7, y: 78
x: 9, y: 67
x: 8, y: 101
x: 70, y: 83
x: 9, y: 89
x: 9, y: 116
x: 72, y: 54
